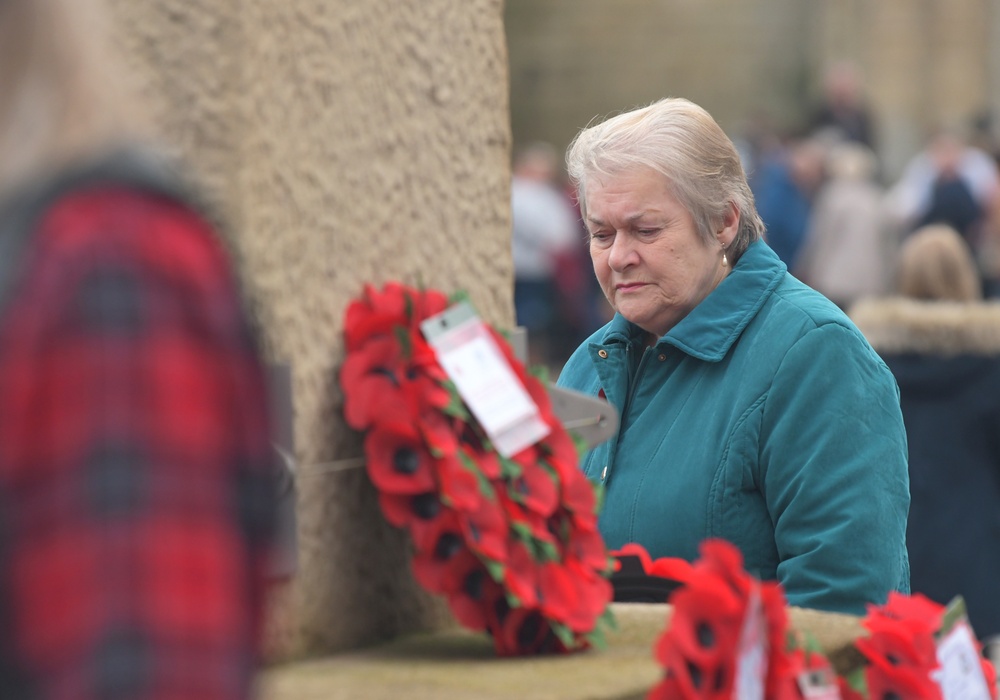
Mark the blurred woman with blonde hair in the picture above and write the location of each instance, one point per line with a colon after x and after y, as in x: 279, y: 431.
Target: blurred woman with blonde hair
x: 136, y: 495
x: 935, y: 264
x: 942, y: 343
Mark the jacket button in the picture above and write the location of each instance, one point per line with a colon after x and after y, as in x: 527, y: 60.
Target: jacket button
x: 604, y: 473
x: 603, y: 354
x: 662, y: 357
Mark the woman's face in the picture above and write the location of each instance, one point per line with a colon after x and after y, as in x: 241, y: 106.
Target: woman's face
x: 650, y: 260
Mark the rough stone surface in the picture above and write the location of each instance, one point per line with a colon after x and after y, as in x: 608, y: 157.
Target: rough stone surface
x: 345, y: 143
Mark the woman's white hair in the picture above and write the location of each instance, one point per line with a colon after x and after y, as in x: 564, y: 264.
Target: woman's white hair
x: 682, y: 142
x: 61, y: 97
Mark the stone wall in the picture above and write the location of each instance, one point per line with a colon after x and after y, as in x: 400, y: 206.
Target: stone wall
x: 344, y: 142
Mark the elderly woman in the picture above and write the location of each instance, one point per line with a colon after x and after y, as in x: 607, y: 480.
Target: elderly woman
x: 751, y: 408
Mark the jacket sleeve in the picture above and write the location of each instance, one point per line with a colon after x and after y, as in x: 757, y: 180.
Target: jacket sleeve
x: 834, y: 458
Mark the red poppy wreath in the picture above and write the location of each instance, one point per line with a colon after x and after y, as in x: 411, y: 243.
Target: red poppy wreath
x: 511, y: 542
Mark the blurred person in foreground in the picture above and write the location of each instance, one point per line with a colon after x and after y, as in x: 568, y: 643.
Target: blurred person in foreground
x: 136, y: 491
x: 751, y: 408
x: 942, y: 342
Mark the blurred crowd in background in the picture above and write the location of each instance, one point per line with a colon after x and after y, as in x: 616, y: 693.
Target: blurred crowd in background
x: 832, y: 214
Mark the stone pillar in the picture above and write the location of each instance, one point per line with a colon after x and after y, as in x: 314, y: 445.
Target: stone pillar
x: 347, y: 141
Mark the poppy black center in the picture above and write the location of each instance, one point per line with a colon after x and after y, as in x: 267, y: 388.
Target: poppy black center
x: 405, y: 460
x: 473, y: 584
x: 528, y: 632
x: 425, y: 505
x: 706, y: 637
x: 448, y: 545
x: 695, y: 674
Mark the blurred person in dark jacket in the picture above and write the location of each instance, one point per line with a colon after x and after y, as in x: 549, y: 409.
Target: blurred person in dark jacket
x: 942, y: 343
x: 136, y: 482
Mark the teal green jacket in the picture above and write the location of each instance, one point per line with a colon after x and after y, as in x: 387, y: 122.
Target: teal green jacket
x: 763, y: 418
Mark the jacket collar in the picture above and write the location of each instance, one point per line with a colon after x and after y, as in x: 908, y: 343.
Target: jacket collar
x: 709, y: 331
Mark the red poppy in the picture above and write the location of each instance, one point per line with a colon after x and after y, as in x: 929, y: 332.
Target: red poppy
x: 459, y: 485
x: 486, y: 461
x: 897, y: 665
x: 705, y: 625
x: 485, y: 530
x: 397, y: 460
x: 373, y: 386
x: 587, y: 546
x: 521, y: 574
x: 411, y: 510
x: 579, y: 494
x: 440, y: 567
x: 528, y: 525
x: 698, y: 649
x: 474, y: 597
x: 375, y: 314
x: 900, y: 647
x: 526, y: 631
x: 378, y: 388
x: 593, y: 593
x: 379, y: 312
x: 536, y: 489
x: 426, y: 532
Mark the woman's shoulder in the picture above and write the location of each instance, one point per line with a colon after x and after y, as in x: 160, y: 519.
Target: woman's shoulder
x: 799, y: 307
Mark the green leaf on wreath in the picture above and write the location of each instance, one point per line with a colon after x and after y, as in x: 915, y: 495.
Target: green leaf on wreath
x: 597, y: 638
x: 509, y: 469
x: 607, y: 619
x: 457, y: 297
x: 455, y: 407
x: 495, y: 569
x: 542, y: 550
x: 404, y: 340
x: 579, y: 443
x: 485, y: 487
x: 598, y: 497
x: 857, y: 682
x: 539, y: 372
x: 563, y: 633
x: 522, y: 531
x: 408, y: 307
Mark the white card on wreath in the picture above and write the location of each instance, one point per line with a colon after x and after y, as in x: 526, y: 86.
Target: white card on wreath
x: 751, y: 655
x: 484, y: 379
x: 960, y: 671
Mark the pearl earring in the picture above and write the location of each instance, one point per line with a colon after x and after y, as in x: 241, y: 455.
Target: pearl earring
x: 725, y: 260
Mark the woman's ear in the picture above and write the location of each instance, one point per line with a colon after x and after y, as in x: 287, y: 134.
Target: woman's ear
x: 730, y: 226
